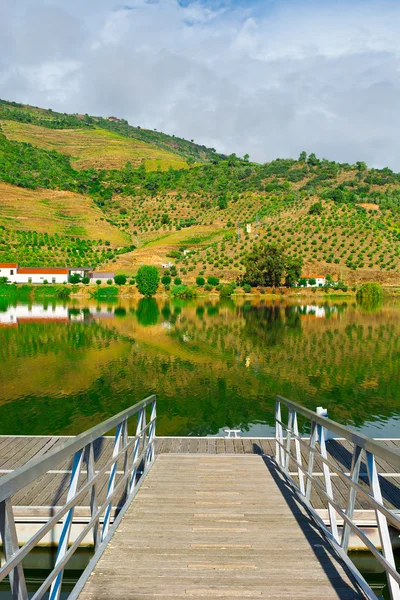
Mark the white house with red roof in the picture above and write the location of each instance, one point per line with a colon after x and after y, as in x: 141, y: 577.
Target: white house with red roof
x: 8, y: 270
x: 16, y: 274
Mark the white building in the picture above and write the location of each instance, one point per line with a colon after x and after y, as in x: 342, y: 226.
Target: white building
x: 8, y: 270
x: 82, y: 271
x: 320, y: 280
x: 39, y: 275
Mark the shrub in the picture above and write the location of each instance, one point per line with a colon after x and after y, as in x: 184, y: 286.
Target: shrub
x: 212, y: 280
x: 165, y: 279
x: 247, y: 288
x: 184, y: 291
x: 109, y: 281
x: 3, y: 279
x: 208, y: 287
x: 120, y: 279
x: 147, y: 280
x: 85, y: 280
x: 132, y: 281
x: 226, y: 291
x: 98, y: 281
x: 200, y: 281
x: 45, y: 282
x: 177, y: 281
x: 315, y: 209
x: 369, y: 291
x: 75, y: 278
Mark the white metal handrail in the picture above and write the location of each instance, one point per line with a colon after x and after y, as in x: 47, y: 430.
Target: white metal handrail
x: 137, y: 453
x: 363, y: 447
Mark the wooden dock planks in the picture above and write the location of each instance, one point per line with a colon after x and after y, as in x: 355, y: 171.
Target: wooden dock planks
x: 51, y: 489
x: 222, y: 526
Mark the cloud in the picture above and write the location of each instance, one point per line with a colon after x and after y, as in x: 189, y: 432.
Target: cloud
x: 270, y: 78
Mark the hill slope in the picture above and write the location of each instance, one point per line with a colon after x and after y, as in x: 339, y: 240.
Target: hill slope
x: 342, y: 219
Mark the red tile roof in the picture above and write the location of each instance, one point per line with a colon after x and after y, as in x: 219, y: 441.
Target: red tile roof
x: 8, y: 265
x: 36, y: 271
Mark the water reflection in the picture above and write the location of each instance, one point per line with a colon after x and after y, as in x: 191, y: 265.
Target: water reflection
x: 212, y: 364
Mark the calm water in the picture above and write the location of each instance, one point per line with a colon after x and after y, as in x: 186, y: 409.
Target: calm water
x: 66, y: 367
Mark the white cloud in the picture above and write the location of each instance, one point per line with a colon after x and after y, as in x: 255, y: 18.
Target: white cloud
x: 270, y: 79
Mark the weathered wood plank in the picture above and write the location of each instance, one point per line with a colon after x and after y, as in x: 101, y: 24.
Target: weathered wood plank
x: 169, y: 545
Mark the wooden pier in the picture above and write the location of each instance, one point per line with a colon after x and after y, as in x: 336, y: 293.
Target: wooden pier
x: 217, y: 526
x: 44, y: 494
x: 202, y: 517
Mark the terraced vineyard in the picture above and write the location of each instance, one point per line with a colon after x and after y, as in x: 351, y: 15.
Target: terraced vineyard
x: 144, y: 197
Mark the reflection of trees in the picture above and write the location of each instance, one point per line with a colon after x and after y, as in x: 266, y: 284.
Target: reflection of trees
x: 268, y: 325
x: 44, y: 338
x: 147, y: 312
x: 370, y: 305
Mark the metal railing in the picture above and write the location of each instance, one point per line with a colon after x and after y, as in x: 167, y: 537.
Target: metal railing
x: 136, y: 455
x: 364, y: 448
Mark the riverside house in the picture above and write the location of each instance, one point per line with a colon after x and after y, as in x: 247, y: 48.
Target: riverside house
x: 320, y: 280
x: 17, y: 274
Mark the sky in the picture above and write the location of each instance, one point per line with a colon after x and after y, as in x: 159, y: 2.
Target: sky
x: 265, y: 77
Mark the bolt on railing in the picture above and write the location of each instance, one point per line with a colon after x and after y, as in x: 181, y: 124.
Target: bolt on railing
x: 137, y: 454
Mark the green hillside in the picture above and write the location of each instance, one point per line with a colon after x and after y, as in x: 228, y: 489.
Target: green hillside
x: 160, y: 195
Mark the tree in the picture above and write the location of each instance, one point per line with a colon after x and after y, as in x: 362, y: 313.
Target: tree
x: 246, y: 157
x: 313, y: 160
x: 315, y: 209
x: 165, y: 279
x: 75, y: 278
x: 303, y: 157
x: 120, y: 279
x: 222, y: 202
x: 147, y: 280
x: 200, y: 281
x: 267, y: 264
x: 294, y: 266
x: 85, y: 280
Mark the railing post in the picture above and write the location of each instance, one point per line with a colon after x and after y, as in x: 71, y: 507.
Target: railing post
x: 126, y: 459
x: 55, y: 589
x: 328, y: 483
x: 279, y: 454
x: 93, y: 493
x: 111, y: 481
x: 136, y: 449
x: 8, y: 535
x: 354, y: 475
x: 288, y: 439
x: 298, y: 453
x: 152, y: 430
x: 313, y: 441
x: 383, y: 529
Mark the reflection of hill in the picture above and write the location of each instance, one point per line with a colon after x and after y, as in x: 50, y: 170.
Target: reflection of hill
x: 42, y: 358
x: 226, y: 365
